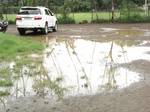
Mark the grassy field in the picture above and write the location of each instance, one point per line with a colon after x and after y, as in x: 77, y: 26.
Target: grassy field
x: 79, y: 17
x: 12, y: 46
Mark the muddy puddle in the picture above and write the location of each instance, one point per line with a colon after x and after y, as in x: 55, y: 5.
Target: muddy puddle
x: 89, y: 67
x: 73, y: 66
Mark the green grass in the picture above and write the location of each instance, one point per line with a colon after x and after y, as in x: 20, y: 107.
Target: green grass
x: 10, y: 17
x: 81, y: 16
x: 4, y: 93
x: 5, y: 83
x: 12, y: 46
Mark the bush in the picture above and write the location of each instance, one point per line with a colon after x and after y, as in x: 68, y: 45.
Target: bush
x: 11, y: 22
x: 131, y: 19
x: 100, y: 21
x: 66, y: 20
x: 83, y: 22
x: 135, y: 18
x: 146, y: 19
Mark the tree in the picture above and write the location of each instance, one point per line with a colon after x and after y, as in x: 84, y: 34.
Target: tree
x: 46, y: 3
x: 113, y: 10
x: 95, y: 8
x: 33, y: 3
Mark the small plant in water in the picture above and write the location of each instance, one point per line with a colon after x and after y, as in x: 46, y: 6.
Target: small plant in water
x: 42, y: 83
x: 5, y: 84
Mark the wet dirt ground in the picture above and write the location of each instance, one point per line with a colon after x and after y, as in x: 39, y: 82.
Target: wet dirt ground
x: 120, y: 53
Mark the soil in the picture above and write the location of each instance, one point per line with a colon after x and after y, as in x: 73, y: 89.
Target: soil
x: 135, y: 98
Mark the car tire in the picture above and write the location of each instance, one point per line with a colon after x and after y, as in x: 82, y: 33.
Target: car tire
x: 4, y: 29
x: 21, y: 31
x: 35, y: 31
x: 45, y: 30
x: 55, y: 28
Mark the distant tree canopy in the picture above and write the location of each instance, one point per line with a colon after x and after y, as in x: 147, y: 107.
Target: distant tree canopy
x: 75, y: 5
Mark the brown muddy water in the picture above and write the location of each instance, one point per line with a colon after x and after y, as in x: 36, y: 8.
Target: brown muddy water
x: 72, y: 65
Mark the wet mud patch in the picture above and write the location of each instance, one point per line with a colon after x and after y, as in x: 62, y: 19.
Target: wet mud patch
x: 141, y: 66
x: 95, y: 71
x: 111, y: 34
x: 124, y: 101
x: 98, y: 32
x: 75, y: 67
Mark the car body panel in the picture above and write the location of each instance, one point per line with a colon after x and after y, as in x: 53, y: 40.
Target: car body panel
x: 3, y: 25
x: 34, y: 19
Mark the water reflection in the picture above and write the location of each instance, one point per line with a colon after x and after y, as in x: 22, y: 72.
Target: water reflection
x: 26, y: 77
x: 5, y: 84
x: 33, y: 79
x: 123, y: 33
x: 71, y: 67
x: 89, y: 67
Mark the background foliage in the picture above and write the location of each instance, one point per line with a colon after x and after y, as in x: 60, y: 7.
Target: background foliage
x: 125, y: 10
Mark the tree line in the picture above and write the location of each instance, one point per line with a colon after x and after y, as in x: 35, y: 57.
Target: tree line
x: 77, y: 5
x: 64, y: 7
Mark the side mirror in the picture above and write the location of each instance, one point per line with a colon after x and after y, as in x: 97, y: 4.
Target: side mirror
x: 52, y: 14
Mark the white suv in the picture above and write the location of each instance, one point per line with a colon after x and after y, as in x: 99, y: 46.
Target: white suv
x: 35, y: 18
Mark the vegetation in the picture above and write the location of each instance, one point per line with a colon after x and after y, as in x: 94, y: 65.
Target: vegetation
x: 17, y: 49
x: 103, y: 17
x: 12, y: 46
x: 4, y: 93
x: 83, y: 11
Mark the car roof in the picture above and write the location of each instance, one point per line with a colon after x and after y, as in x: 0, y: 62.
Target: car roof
x: 39, y: 7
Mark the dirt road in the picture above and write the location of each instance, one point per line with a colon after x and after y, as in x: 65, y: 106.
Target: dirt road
x: 90, y: 31
x: 135, y: 98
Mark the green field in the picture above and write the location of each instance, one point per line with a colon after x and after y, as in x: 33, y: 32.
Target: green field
x: 12, y: 46
x: 79, y: 17
x: 82, y: 16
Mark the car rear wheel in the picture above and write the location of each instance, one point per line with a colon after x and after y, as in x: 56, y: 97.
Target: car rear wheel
x: 35, y: 30
x: 55, y: 28
x: 45, y: 30
x: 21, y: 31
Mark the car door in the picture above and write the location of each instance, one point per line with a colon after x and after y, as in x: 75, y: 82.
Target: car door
x: 52, y: 18
x: 48, y: 18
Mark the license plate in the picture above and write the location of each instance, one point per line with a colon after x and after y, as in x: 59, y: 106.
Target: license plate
x: 27, y: 18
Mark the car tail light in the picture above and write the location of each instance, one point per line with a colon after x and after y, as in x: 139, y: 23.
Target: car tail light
x: 37, y: 18
x: 18, y: 18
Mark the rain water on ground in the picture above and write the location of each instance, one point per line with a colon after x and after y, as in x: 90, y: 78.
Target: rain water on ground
x: 89, y: 67
x: 73, y: 66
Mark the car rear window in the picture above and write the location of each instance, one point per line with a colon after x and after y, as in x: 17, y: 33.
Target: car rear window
x: 29, y: 11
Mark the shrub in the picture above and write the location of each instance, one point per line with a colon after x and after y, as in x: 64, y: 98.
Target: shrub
x: 100, y: 21
x: 135, y: 18
x: 11, y: 22
x: 146, y: 19
x: 83, y: 22
x: 66, y: 20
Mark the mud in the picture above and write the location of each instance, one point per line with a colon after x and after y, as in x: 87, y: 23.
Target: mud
x: 134, y: 98
x: 97, y: 31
